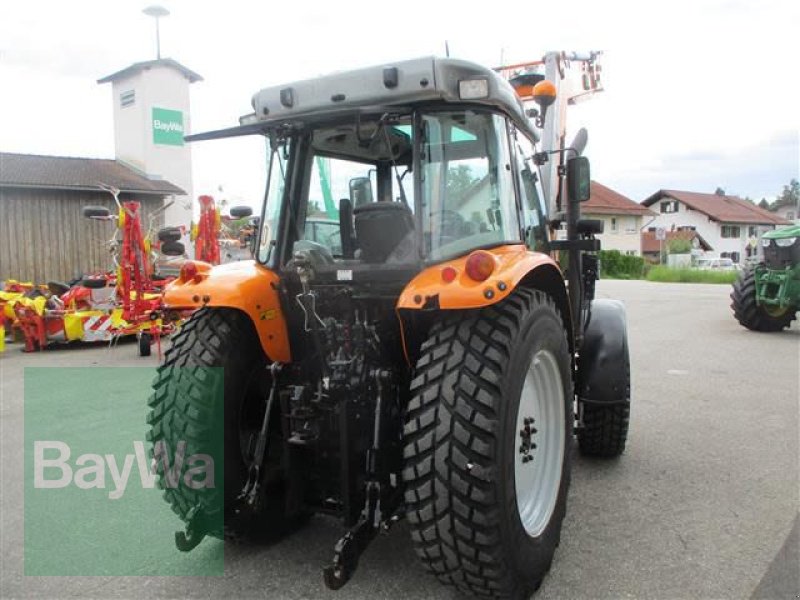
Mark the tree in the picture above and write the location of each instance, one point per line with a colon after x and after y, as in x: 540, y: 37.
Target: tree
x: 719, y: 191
x: 790, y: 196
x: 679, y: 246
x: 459, y: 180
x: 314, y: 208
x: 764, y: 204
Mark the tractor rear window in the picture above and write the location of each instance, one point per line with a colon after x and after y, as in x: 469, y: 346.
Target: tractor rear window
x: 359, y: 193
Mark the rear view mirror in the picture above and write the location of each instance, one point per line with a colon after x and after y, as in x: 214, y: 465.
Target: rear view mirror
x: 360, y: 191
x: 240, y: 212
x: 578, y: 179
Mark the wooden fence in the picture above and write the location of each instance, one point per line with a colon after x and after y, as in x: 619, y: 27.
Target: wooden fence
x: 45, y: 237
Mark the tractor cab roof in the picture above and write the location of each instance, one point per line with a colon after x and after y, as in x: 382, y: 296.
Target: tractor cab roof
x: 786, y: 232
x: 399, y: 85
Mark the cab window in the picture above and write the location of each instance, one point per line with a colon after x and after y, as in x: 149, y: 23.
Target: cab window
x: 468, y: 196
x: 534, y: 213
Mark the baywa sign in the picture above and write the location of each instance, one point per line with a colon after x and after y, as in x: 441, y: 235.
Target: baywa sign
x: 167, y: 127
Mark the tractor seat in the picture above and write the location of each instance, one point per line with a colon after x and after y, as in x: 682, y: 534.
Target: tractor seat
x: 380, y: 228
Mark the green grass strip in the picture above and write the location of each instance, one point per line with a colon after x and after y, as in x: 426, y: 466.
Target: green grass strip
x: 669, y: 275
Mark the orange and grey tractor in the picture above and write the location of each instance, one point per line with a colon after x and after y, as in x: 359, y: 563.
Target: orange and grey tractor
x: 421, y: 356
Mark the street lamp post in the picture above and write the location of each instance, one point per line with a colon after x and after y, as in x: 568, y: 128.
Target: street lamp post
x: 157, y: 12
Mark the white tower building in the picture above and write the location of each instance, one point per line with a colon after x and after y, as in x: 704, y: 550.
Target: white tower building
x: 151, y: 116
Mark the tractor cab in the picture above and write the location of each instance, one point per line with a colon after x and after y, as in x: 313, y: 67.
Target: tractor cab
x: 405, y: 167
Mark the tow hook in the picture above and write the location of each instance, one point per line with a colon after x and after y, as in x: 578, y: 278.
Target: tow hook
x: 195, y: 531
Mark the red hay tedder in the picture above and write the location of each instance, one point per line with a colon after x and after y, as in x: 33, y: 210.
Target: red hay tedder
x: 107, y: 306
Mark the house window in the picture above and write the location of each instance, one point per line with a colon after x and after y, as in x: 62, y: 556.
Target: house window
x: 613, y: 223
x: 790, y: 216
x: 734, y: 256
x: 731, y: 231
x: 687, y: 228
x: 751, y: 231
x: 630, y: 225
x: 127, y: 98
x: 670, y: 206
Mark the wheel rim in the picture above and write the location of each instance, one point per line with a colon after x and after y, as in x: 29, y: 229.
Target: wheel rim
x: 775, y: 311
x: 539, y: 443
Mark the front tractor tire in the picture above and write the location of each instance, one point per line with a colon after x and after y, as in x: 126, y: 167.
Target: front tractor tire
x: 604, y: 429
x: 487, y: 446
x: 209, y: 408
x: 752, y: 315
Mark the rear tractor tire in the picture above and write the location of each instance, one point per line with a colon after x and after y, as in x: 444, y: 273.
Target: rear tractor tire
x: 187, y: 406
x: 752, y: 315
x: 487, y: 446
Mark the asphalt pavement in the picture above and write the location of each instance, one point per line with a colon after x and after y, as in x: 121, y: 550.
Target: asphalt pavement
x: 703, y: 504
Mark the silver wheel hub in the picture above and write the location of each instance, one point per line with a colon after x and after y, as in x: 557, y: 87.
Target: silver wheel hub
x: 540, y: 442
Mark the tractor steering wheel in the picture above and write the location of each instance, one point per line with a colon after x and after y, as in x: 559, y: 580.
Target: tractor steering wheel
x: 451, y: 223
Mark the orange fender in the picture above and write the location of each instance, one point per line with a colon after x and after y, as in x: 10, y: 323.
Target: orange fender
x: 243, y: 285
x: 513, y: 263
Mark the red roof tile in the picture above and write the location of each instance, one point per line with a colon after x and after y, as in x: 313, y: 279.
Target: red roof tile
x: 651, y: 244
x: 605, y: 201
x: 726, y: 209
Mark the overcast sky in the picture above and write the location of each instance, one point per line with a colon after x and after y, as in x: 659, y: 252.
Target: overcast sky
x: 699, y: 94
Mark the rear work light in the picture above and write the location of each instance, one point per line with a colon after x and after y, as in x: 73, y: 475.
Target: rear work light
x: 473, y: 89
x: 479, y: 266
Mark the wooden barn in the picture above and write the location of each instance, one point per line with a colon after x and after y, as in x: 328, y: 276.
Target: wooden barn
x: 43, y: 234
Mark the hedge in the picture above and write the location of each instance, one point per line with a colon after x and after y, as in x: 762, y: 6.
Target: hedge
x: 615, y: 265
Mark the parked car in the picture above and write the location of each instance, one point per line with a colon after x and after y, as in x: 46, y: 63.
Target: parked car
x: 716, y: 264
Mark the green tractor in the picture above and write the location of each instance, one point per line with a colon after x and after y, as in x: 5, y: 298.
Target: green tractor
x: 767, y: 297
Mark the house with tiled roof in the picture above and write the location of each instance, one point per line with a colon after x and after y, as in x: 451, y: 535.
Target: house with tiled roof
x: 43, y: 234
x: 622, y: 218
x: 730, y: 225
x: 653, y: 248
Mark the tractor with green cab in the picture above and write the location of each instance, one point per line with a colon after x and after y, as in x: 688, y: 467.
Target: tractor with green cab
x: 767, y: 297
